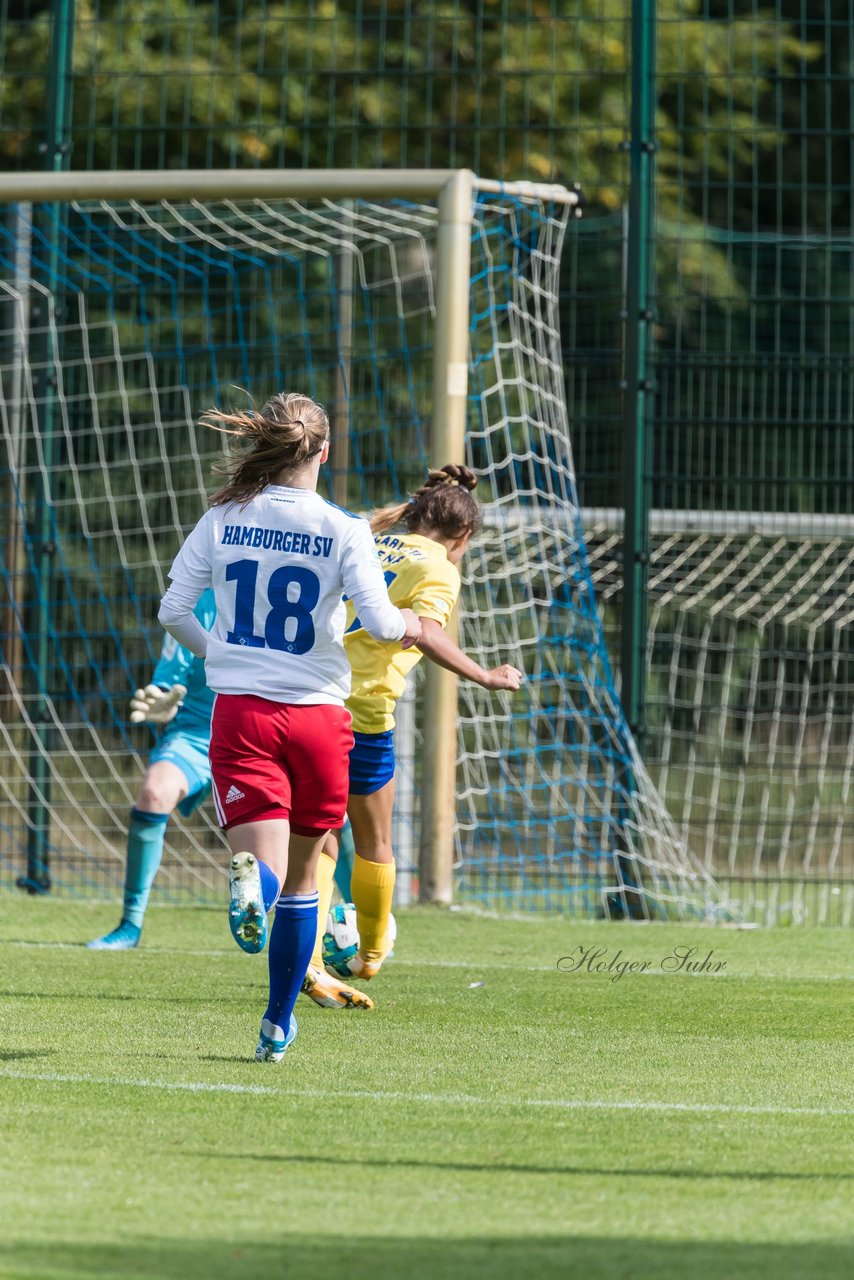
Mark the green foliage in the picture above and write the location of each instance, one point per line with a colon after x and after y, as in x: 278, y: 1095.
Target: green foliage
x: 542, y: 95
x: 24, y: 59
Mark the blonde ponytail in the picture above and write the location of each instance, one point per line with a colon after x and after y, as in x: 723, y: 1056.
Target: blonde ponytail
x: 290, y: 429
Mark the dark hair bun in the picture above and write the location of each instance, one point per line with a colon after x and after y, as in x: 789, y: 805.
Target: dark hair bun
x: 452, y: 472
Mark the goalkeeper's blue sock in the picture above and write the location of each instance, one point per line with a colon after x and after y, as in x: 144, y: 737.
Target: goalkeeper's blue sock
x: 344, y: 865
x: 288, y: 953
x: 146, y: 834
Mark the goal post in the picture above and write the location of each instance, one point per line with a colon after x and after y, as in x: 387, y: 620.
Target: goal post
x: 427, y: 299
x: 450, y: 391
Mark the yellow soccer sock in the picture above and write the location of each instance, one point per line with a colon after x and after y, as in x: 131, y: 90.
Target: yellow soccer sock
x: 372, y: 887
x: 325, y: 885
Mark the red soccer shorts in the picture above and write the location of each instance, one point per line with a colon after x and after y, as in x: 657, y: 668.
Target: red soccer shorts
x: 275, y: 760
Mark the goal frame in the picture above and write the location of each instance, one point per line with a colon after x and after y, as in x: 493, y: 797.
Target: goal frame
x: 452, y: 190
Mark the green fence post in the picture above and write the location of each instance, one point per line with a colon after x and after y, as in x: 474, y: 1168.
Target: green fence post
x: 638, y: 387
x: 57, y: 154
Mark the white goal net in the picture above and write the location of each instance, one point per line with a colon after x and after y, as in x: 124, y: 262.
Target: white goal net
x: 121, y: 320
x: 750, y: 697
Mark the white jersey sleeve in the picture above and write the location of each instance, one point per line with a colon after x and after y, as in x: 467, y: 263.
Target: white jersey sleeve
x: 191, y: 574
x: 365, y: 585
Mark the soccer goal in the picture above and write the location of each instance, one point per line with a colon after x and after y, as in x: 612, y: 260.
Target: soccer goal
x: 750, y: 696
x: 421, y: 307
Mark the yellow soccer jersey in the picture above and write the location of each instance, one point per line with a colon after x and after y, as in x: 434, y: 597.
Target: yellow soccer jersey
x: 420, y: 577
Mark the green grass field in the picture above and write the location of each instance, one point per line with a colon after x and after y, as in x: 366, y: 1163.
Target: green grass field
x: 495, y: 1117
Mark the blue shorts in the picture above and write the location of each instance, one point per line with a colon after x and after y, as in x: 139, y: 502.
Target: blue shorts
x: 189, y: 753
x: 371, y: 762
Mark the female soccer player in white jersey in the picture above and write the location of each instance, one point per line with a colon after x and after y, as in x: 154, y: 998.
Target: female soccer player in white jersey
x: 421, y: 572
x: 279, y: 558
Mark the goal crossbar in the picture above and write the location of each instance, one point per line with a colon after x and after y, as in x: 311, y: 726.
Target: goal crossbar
x: 801, y: 524
x: 334, y: 184
x: 666, y: 520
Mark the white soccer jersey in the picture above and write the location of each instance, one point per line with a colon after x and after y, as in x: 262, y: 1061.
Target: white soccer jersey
x: 279, y: 567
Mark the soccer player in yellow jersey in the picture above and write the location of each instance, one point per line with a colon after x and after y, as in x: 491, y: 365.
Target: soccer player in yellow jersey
x: 420, y: 565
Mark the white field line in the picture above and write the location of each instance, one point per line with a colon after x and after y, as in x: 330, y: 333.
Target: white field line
x: 451, y: 964
x: 439, y: 1099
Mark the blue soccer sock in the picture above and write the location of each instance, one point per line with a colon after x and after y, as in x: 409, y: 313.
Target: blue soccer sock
x: 146, y: 834
x: 270, y: 886
x: 288, y: 953
x: 344, y: 865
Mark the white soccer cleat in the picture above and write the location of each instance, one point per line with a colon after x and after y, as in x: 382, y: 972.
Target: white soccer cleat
x: 272, y: 1043
x: 247, y: 917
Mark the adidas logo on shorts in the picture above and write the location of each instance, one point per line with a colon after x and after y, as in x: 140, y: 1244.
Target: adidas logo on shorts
x: 234, y: 793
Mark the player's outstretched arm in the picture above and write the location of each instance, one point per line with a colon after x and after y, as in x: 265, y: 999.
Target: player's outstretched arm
x: 440, y: 648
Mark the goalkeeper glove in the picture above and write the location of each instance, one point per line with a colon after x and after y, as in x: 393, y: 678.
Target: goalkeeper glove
x: 157, y: 706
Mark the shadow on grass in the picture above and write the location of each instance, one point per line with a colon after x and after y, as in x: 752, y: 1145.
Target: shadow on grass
x: 498, y: 1166
x: 240, y: 1059
x: 426, y: 1258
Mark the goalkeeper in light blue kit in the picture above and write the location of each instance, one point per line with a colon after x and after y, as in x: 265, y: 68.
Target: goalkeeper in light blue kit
x: 178, y: 774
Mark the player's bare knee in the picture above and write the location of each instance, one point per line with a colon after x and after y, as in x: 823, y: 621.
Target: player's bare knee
x: 155, y: 798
